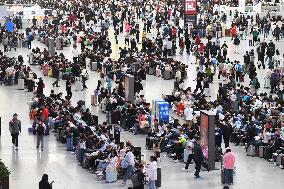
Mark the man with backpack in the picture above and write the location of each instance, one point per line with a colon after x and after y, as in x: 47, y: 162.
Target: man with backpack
x: 15, y: 129
x: 40, y: 131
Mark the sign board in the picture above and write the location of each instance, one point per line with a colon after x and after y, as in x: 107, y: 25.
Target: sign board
x: 9, y: 26
x: 190, y: 7
x: 154, y: 108
x: 163, y: 111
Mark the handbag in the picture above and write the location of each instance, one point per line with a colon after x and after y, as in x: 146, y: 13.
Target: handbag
x: 124, y: 163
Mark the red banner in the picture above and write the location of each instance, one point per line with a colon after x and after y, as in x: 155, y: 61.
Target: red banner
x: 190, y: 7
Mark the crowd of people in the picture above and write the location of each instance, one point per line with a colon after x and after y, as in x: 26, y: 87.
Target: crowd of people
x: 154, y: 35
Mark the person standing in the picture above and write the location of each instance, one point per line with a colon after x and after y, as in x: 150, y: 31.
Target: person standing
x: 158, y: 182
x: 229, y: 165
x: 44, y: 184
x: 15, y: 130
x: 40, y: 130
x: 68, y: 87
x: 45, y: 116
x: 130, y: 159
x: 151, y: 173
x: 199, y: 79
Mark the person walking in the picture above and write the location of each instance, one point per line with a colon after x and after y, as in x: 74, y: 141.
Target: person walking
x: 15, y: 130
x: 198, y: 159
x: 229, y: 165
x: 40, y: 130
x: 130, y: 159
x: 44, y: 184
x: 189, y: 147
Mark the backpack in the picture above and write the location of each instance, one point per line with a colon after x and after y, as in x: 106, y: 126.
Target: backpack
x: 108, y: 107
x: 257, y: 84
x: 40, y: 129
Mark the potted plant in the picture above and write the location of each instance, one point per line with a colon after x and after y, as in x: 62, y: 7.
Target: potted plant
x: 4, y: 176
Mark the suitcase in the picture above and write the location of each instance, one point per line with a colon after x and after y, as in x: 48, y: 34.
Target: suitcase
x: 251, y: 151
x: 50, y: 72
x: 86, y: 161
x: 93, y: 100
x: 31, y: 130
x: 167, y: 75
x: 262, y: 151
x: 45, y: 70
x: 227, y: 33
x: 58, y: 46
x: 94, y: 66
x: 176, y: 85
x: 137, y: 153
x: 152, y: 70
x: 58, y: 135
x: 116, y: 135
x: 111, y: 177
x: 241, y: 78
x: 158, y: 72
x: 185, y: 155
x: 103, y: 107
x: 21, y: 84
x: 279, y: 159
x: 69, y: 144
x: 149, y: 143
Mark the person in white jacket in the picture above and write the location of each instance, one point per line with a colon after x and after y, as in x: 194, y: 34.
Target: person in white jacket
x: 75, y: 53
x: 151, y: 173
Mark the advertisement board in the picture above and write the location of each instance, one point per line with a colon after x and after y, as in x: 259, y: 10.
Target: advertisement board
x: 190, y: 7
x: 163, y: 111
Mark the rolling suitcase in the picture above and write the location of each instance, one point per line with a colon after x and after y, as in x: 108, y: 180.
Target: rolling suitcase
x: 86, y: 161
x: 185, y: 155
x: 111, y: 177
x: 45, y: 70
x: 251, y: 151
x: 21, y: 84
x: 103, y: 107
x: 93, y: 100
x: 149, y: 143
x: 167, y: 75
x: 116, y: 135
x: 158, y: 72
x: 31, y: 130
x: 262, y: 151
x: 94, y: 66
x: 152, y: 70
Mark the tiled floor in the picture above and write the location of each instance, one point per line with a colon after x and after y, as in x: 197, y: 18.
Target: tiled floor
x: 28, y: 165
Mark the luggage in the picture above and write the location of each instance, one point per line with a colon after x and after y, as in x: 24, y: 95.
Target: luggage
x: 45, y: 70
x: 185, y: 155
x: 251, y: 151
x: 227, y: 33
x: 158, y: 72
x: 94, y: 66
x: 111, y: 177
x: 31, y: 130
x: 262, y: 151
x: 93, y: 100
x: 152, y: 70
x: 241, y: 78
x: 58, y: 135
x: 116, y: 135
x: 30, y: 85
x: 103, y: 107
x: 279, y: 159
x: 176, y: 85
x: 21, y: 84
x: 167, y: 75
x: 50, y: 72
x: 149, y: 143
x: 137, y: 153
x: 69, y: 144
x: 63, y: 139
x: 86, y: 161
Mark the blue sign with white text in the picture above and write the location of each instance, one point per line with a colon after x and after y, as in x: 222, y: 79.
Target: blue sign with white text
x: 163, y: 111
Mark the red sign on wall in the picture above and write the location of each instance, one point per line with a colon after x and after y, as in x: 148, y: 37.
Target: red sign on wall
x: 190, y: 7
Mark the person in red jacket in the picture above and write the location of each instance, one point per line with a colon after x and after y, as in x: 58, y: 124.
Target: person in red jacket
x: 234, y: 31
x: 45, y: 119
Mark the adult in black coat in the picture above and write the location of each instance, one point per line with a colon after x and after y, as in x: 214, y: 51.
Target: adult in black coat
x: 227, y: 132
x: 198, y: 159
x: 44, y: 184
